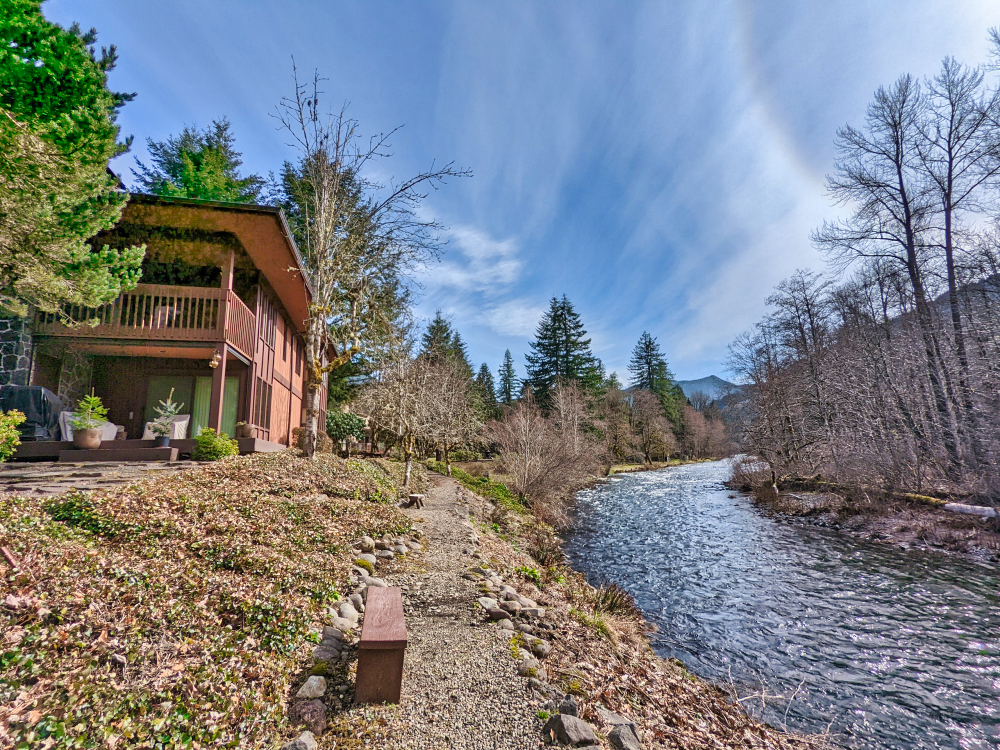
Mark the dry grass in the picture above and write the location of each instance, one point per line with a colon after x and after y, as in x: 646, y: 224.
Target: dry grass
x: 175, y: 612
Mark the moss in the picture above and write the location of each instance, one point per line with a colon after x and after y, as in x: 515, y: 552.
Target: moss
x: 366, y: 565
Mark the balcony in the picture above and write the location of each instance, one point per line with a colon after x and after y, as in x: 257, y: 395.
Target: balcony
x: 155, y: 312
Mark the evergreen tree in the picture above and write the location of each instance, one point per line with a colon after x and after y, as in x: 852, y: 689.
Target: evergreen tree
x: 560, y: 352
x: 650, y: 372
x: 202, y: 164
x: 486, y: 395
x: 442, y: 342
x: 58, y: 132
x: 648, y: 366
x: 508, y: 387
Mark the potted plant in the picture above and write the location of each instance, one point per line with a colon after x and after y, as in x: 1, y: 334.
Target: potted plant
x: 244, y: 430
x: 86, y: 422
x: 163, y: 425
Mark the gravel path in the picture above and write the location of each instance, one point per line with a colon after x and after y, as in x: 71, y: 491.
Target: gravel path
x: 460, y: 683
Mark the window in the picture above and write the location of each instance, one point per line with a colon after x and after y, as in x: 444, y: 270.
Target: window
x: 262, y: 404
x: 284, y: 341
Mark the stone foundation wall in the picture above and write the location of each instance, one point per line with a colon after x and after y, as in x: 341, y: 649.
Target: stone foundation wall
x: 74, y: 377
x: 15, y: 351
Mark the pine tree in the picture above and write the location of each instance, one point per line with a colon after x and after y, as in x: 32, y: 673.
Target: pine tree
x: 508, y: 387
x: 202, y: 164
x: 560, y: 353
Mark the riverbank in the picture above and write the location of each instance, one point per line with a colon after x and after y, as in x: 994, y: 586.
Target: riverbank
x: 655, y: 465
x: 598, y: 647
x: 909, y: 521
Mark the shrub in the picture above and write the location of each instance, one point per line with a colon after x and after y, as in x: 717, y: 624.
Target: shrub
x: 214, y: 445
x: 10, y: 438
x: 341, y: 425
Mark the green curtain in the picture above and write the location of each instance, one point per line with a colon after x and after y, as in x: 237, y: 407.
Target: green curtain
x: 230, y: 398
x: 203, y: 405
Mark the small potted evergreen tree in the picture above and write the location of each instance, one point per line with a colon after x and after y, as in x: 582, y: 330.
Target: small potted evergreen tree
x: 86, y: 422
x: 163, y: 425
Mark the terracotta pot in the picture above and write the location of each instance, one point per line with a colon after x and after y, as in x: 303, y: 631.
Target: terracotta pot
x: 87, y: 440
x: 244, y: 431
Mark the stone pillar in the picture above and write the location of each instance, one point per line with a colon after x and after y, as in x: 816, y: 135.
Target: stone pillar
x: 74, y: 377
x: 15, y: 351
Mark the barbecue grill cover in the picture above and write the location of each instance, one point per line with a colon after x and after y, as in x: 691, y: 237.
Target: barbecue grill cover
x: 41, y: 407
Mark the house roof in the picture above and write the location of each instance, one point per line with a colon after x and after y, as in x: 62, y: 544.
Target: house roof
x: 261, y: 230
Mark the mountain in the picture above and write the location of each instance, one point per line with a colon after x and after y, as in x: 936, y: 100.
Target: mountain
x: 713, y: 386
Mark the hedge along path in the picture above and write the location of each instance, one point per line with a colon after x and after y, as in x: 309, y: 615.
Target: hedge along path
x: 461, y: 688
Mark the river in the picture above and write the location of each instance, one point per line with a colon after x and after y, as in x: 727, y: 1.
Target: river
x: 888, y: 648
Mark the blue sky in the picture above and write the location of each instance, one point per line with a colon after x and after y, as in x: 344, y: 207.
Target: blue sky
x: 660, y: 163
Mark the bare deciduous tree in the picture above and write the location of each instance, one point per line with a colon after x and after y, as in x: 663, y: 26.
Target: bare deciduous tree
x: 359, y: 238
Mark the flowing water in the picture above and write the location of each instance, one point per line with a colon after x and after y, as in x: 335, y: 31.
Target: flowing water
x: 888, y: 648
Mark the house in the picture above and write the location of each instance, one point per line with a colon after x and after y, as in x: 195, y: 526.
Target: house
x: 218, y: 318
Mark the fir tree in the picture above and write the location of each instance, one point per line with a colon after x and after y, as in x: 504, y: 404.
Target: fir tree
x: 442, y: 342
x: 650, y: 372
x: 508, y: 387
x: 649, y: 367
x: 58, y: 131
x: 560, y: 353
x: 202, y: 164
x: 486, y: 395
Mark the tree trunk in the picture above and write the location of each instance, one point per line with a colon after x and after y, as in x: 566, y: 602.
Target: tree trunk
x: 447, y: 459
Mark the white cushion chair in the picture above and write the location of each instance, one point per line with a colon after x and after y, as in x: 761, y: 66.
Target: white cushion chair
x: 178, y: 430
x: 108, y: 431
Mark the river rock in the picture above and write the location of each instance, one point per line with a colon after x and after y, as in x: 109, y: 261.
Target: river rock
x: 357, y: 601
x: 332, y: 634
x: 348, y: 612
x: 367, y: 544
x: 507, y: 625
x: 569, y: 706
x: 377, y: 583
x: 415, y: 546
x: 569, y: 730
x: 512, y: 607
x: 324, y: 652
x: 385, y: 554
x: 381, y: 544
x: 314, y: 687
x: 305, y: 741
x: 613, y: 719
x: 487, y: 603
x: 310, y: 713
x: 533, y: 612
x: 623, y: 737
x: 368, y: 558
x: 531, y: 667
x: 508, y: 592
x: 400, y: 549
x: 525, y: 601
x: 497, y: 614
x: 342, y: 624
x: 540, y: 648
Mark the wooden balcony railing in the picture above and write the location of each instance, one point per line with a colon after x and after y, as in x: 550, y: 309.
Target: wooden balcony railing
x: 158, y: 312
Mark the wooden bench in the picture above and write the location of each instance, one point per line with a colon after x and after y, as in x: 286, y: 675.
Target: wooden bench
x: 383, y: 644
x: 414, y: 501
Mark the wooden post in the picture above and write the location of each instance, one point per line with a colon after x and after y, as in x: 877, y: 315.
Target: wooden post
x: 228, y: 270
x: 382, y: 646
x: 218, y: 391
